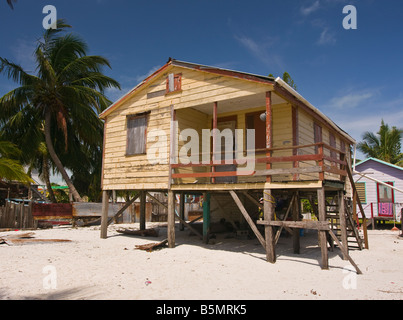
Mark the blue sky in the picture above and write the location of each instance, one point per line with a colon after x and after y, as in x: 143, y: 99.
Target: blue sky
x: 353, y: 76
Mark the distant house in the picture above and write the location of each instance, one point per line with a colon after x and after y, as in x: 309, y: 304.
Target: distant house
x: 379, y: 201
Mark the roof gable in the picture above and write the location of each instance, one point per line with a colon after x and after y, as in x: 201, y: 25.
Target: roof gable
x: 379, y: 161
x: 181, y: 64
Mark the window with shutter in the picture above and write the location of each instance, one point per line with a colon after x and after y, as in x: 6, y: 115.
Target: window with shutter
x: 360, y: 186
x: 174, y: 82
x: 136, y: 134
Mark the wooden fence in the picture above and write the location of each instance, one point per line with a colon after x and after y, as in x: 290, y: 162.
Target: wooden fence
x: 16, y: 216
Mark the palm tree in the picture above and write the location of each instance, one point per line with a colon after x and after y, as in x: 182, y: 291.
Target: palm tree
x: 66, y: 94
x: 10, y: 168
x: 10, y: 3
x: 384, y: 145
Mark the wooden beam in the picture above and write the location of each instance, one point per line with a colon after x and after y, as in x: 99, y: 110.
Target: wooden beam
x: 215, y: 119
x: 343, y: 224
x: 345, y: 252
x: 295, y: 138
x: 206, y: 216
x: 104, y: 217
x: 295, y: 217
x: 269, y: 130
x: 322, y: 234
x: 268, y: 229
x: 171, y: 219
x: 247, y: 218
x: 278, y: 233
x: 313, y: 225
x: 142, y: 210
x: 357, y: 198
x: 178, y: 217
x: 182, y: 210
x: 121, y: 210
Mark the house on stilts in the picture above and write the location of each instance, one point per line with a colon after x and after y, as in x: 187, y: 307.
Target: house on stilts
x: 234, y: 138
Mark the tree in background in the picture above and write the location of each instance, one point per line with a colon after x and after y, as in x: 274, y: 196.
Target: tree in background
x: 64, y: 98
x: 10, y: 3
x: 287, y: 78
x: 10, y: 168
x: 384, y: 145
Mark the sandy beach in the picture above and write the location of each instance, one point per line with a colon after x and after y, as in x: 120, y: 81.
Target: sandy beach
x: 91, y: 268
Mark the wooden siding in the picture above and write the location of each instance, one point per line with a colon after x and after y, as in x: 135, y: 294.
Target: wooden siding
x: 199, y: 90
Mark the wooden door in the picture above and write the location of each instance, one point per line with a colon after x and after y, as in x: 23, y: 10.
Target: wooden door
x: 222, y: 125
x: 385, y: 200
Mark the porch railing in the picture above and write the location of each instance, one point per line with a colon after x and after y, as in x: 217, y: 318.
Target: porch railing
x: 319, y: 164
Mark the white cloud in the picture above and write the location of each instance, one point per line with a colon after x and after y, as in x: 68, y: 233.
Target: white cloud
x: 350, y: 100
x: 141, y: 77
x: 263, y: 51
x: 326, y: 37
x: 310, y: 9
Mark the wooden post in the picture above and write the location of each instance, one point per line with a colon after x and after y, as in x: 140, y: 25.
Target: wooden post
x: 182, y: 210
x: 343, y: 224
x: 321, y: 163
x: 104, y: 218
x: 171, y: 219
x: 295, y: 216
x: 269, y: 130
x: 206, y: 216
x: 143, y: 209
x: 268, y: 230
x: 322, y: 234
x: 295, y: 139
x: 213, y: 168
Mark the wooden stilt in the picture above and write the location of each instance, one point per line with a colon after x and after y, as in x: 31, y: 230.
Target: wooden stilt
x: 268, y: 229
x: 104, y: 217
x: 322, y: 234
x: 182, y: 210
x: 143, y: 209
x: 343, y: 224
x: 296, y: 231
x: 171, y: 219
x: 206, y: 216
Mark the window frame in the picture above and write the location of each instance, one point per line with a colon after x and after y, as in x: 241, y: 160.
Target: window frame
x: 363, y: 201
x: 176, y: 85
x: 131, y: 117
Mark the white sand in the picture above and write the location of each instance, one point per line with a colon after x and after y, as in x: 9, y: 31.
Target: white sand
x: 94, y: 268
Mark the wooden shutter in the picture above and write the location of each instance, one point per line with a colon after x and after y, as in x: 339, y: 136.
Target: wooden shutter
x: 136, y: 134
x: 174, y: 82
x: 360, y: 186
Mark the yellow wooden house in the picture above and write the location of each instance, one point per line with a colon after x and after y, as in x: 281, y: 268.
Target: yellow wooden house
x: 195, y: 129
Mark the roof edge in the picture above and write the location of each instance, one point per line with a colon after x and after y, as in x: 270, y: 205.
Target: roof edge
x: 298, y: 96
x: 379, y: 161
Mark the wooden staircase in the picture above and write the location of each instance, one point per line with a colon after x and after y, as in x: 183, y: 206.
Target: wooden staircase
x: 354, y: 239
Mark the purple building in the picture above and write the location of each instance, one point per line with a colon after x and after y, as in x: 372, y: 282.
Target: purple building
x: 379, y: 201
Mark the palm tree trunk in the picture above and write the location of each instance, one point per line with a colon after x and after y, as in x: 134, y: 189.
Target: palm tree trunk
x: 56, y: 159
x: 45, y: 176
